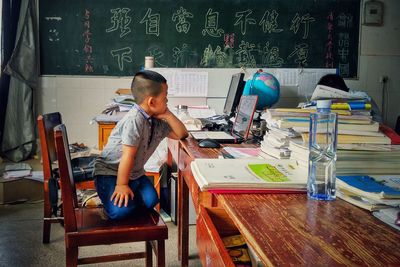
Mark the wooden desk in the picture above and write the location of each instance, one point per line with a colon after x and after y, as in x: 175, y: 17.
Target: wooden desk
x: 104, y: 131
x: 283, y: 229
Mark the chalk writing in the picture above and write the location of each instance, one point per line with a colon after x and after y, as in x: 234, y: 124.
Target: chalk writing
x: 158, y: 55
x: 182, y: 55
x: 218, y: 58
x: 343, y: 53
x: 211, y: 24
x: 54, y: 35
x: 345, y: 20
x: 122, y: 55
x: 344, y: 39
x: 243, y: 20
x: 105, y: 69
x: 270, y: 57
x: 120, y: 21
x: 301, y: 53
x: 269, y: 22
x: 344, y: 23
x: 53, y: 18
x: 244, y: 55
x: 87, y: 47
x: 229, y: 40
x: 114, y: 37
x: 344, y: 69
x: 297, y: 20
x: 329, y: 42
x: 181, y: 15
x: 152, y: 22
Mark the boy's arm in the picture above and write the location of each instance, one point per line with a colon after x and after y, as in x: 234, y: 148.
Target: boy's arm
x: 179, y: 130
x: 122, y: 191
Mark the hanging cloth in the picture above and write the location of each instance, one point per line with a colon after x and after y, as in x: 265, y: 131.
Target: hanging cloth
x: 19, y: 132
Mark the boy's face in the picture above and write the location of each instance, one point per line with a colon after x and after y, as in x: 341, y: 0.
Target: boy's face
x: 160, y: 105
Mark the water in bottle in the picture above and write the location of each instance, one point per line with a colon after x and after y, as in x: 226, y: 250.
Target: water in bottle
x: 322, y: 160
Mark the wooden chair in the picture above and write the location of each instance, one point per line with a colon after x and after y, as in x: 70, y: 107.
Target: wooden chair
x: 87, y: 226
x: 46, y: 123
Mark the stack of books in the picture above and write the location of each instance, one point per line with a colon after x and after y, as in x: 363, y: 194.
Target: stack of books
x: 362, y: 147
x: 355, y: 158
x: 370, y: 192
x: 248, y: 175
x: 354, y: 126
x: 276, y: 142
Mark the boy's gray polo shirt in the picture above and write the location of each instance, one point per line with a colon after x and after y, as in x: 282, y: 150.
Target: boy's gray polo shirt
x: 135, y: 129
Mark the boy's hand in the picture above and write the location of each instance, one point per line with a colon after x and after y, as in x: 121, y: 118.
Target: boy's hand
x: 121, y: 195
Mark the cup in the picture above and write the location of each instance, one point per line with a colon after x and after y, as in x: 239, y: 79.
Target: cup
x: 148, y: 62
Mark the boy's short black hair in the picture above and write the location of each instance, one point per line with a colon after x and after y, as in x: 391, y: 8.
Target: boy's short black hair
x: 151, y: 75
x: 146, y: 83
x: 334, y: 81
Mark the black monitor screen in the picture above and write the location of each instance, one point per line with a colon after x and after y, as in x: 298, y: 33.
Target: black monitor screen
x: 235, y: 92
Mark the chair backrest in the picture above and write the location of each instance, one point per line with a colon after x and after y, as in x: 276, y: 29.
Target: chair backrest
x: 68, y: 190
x: 46, y: 124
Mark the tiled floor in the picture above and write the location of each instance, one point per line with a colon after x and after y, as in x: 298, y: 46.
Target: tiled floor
x: 21, y: 239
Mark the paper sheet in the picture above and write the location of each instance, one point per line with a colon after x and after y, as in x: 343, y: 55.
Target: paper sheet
x: 185, y: 83
x: 288, y: 77
x: 308, y: 79
x: 326, y: 92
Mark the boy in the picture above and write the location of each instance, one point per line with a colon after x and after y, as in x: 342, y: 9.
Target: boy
x: 119, y: 174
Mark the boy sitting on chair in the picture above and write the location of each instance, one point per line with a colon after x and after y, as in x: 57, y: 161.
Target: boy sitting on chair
x: 119, y: 170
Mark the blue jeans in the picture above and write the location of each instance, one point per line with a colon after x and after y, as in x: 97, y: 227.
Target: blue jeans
x: 143, y: 190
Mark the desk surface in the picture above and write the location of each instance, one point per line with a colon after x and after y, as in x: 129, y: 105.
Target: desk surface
x: 289, y: 229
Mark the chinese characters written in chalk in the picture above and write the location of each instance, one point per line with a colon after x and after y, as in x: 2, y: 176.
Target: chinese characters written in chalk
x: 152, y: 22
x: 243, y: 37
x: 87, y: 46
x: 120, y: 21
x: 211, y: 24
x: 344, y: 23
x: 329, y: 41
x: 122, y: 55
x: 181, y: 16
x: 297, y: 20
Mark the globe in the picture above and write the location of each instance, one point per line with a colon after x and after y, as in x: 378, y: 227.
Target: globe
x: 266, y: 86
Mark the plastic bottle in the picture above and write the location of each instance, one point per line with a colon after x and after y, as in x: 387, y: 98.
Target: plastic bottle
x: 321, y: 184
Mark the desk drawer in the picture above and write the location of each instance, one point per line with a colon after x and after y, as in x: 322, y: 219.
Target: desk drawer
x: 212, y: 224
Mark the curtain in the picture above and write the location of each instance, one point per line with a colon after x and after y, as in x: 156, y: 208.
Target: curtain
x: 10, y: 17
x: 19, y: 127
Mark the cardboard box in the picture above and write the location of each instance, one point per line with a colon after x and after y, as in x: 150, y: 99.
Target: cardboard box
x: 12, y: 191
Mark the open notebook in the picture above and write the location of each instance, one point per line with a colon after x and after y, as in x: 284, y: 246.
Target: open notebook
x: 241, y: 126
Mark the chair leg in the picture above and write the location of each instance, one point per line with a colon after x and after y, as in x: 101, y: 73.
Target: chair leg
x: 46, y: 214
x: 46, y: 231
x: 149, y: 254
x: 161, y: 253
x: 71, y: 256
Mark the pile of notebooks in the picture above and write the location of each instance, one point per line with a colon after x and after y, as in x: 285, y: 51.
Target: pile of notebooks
x: 355, y: 158
x: 371, y: 192
x: 363, y: 148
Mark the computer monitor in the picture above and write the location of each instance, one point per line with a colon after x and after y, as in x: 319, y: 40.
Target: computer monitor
x: 235, y: 92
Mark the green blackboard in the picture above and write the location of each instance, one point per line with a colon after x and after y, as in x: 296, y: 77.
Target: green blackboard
x: 112, y: 38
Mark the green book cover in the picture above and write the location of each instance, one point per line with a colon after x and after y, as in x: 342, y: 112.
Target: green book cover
x: 267, y: 173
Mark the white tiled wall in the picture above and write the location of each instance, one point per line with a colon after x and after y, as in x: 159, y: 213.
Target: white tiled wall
x: 79, y: 99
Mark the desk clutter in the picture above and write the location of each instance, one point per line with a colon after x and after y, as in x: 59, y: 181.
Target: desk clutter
x: 237, y: 250
x: 366, y: 150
